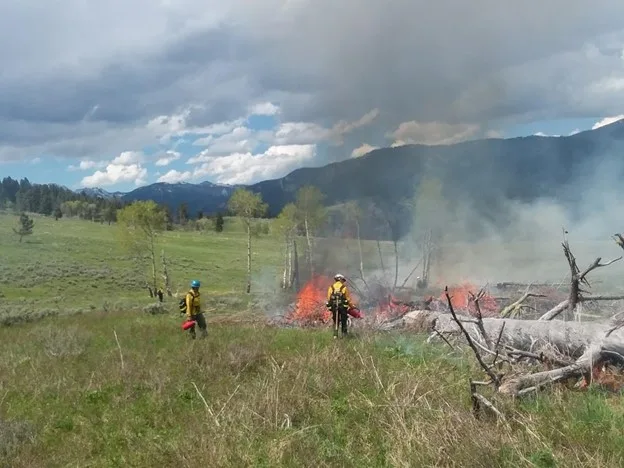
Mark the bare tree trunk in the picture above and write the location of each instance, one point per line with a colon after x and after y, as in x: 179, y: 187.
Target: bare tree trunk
x: 359, y: 239
x: 569, y: 338
x: 153, y: 258
x: 427, y: 248
x: 289, y: 276
x: 309, y: 241
x: 381, y: 261
x: 286, y: 262
x: 396, y: 264
x: 606, y: 348
x: 248, y: 289
x: 295, y: 264
x: 166, y: 278
x: 285, y: 268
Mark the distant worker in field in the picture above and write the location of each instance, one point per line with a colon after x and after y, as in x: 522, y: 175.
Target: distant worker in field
x: 193, y: 310
x: 339, y: 302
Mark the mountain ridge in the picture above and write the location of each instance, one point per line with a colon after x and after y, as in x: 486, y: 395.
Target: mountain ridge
x: 484, y: 171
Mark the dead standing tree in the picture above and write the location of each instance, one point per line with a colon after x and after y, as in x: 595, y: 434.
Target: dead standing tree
x: 311, y: 214
x: 353, y: 213
x: 577, y: 278
x: 389, y: 217
x: 428, y: 247
x: 165, y: 275
x: 432, y: 214
x: 286, y: 226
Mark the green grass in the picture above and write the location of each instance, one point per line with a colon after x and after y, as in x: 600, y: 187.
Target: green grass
x: 273, y: 397
x: 113, y: 386
x: 72, y: 264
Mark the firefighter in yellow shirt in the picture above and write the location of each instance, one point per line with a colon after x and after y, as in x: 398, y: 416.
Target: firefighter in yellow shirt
x: 339, y: 302
x: 193, y: 310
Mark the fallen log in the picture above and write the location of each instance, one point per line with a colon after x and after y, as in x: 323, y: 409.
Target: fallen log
x: 577, y: 348
x: 606, y: 350
x: 513, y: 309
x: 589, y: 344
x: 564, y: 305
x: 568, y: 338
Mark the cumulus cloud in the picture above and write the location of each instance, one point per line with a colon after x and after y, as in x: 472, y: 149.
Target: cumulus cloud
x: 238, y: 139
x: 174, y: 177
x: 243, y: 168
x: 128, y: 158
x: 115, y: 174
x: 245, y: 140
x: 127, y: 167
x: 167, y: 158
x: 85, y: 165
x: 264, y: 108
x: 320, y: 67
x: 179, y: 125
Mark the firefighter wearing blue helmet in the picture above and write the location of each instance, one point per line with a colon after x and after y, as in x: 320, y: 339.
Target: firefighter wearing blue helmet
x: 193, y: 310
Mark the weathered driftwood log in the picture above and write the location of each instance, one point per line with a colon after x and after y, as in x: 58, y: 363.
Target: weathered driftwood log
x: 609, y: 349
x: 590, y: 343
x: 569, y: 338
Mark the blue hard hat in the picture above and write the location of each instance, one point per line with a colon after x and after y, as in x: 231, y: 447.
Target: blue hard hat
x: 194, y: 284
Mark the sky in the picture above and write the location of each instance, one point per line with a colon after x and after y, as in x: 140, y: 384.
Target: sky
x: 134, y: 92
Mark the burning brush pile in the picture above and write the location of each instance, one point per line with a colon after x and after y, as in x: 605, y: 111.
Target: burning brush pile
x: 464, y: 299
x: 380, y: 304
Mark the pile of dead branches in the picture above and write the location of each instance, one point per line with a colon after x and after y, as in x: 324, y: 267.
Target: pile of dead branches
x: 509, y: 349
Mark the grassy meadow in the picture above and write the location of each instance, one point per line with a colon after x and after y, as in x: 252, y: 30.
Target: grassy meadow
x: 102, y: 383
x: 74, y: 264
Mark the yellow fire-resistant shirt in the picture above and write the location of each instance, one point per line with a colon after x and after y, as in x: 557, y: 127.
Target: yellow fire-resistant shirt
x: 193, y: 303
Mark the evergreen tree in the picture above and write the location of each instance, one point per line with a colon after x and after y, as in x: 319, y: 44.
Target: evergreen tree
x: 24, y: 227
x: 219, y: 222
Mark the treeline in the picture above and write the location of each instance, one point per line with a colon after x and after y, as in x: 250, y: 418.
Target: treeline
x: 366, y: 218
x: 54, y: 200
x: 22, y: 196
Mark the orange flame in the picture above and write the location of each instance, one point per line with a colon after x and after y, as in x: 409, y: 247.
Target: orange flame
x: 461, y: 299
x: 389, y: 308
x: 310, y: 310
x: 310, y: 305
